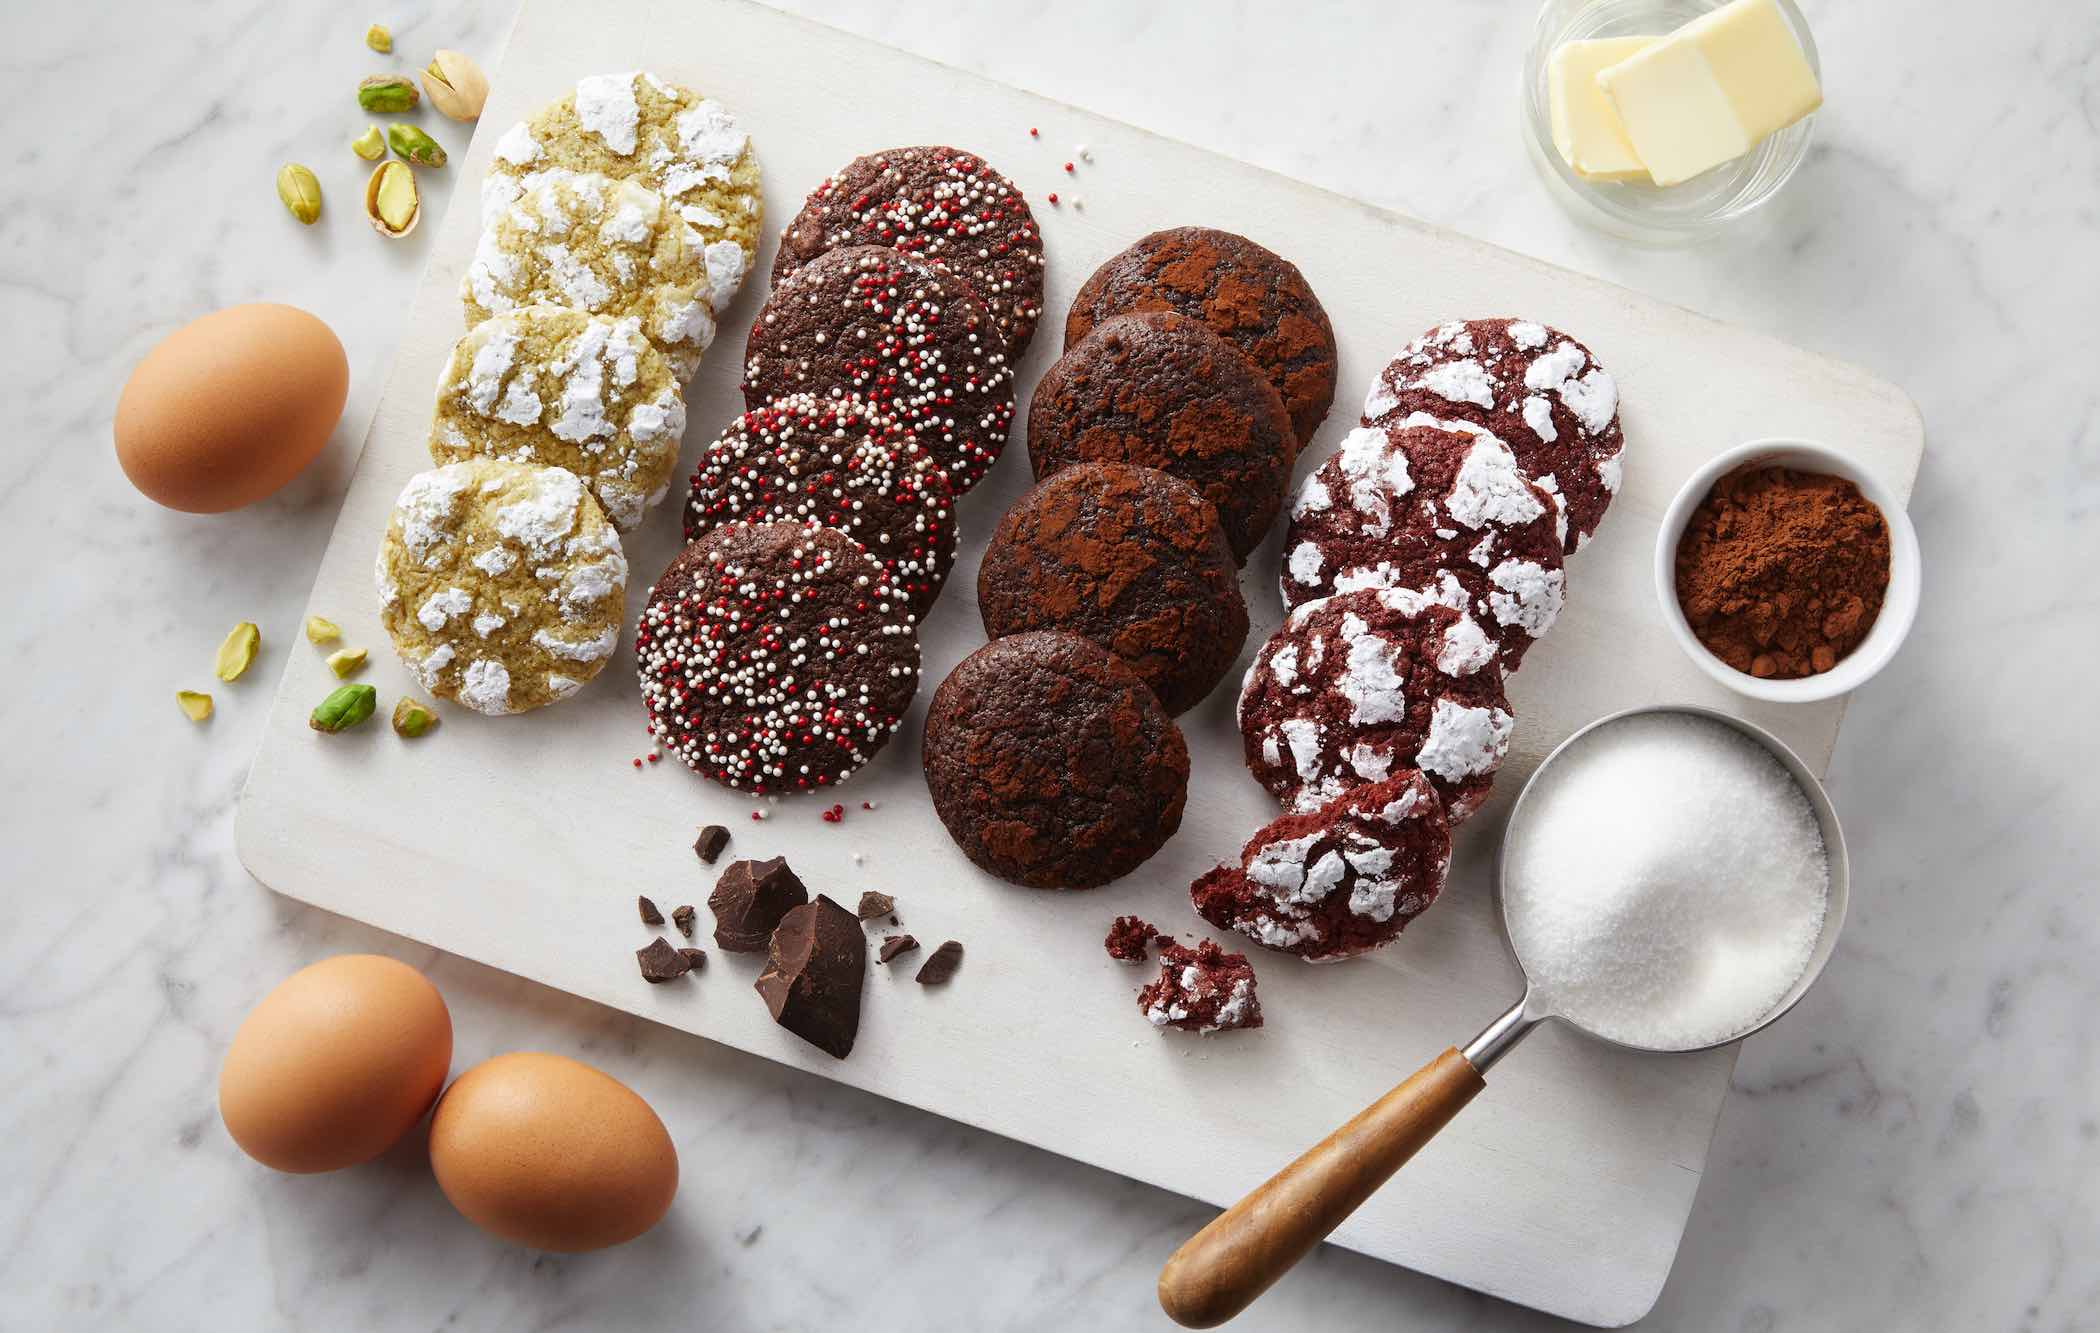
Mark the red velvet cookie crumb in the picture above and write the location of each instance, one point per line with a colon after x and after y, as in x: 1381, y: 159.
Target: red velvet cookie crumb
x: 1201, y: 990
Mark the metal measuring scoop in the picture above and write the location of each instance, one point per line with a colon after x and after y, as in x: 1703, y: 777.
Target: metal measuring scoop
x: 1226, y: 1265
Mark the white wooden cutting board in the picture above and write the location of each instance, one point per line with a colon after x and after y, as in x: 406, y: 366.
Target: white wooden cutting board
x: 522, y: 842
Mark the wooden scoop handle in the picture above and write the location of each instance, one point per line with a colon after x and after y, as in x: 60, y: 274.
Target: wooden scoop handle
x: 1223, y: 1267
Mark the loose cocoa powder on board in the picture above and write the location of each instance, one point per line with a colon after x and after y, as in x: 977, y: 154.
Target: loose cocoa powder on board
x: 1781, y: 573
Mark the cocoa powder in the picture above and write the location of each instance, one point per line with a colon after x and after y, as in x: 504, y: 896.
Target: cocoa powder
x: 1781, y: 573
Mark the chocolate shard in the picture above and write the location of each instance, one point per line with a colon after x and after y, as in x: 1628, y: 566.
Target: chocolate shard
x: 650, y: 916
x: 895, y: 945
x: 660, y: 962
x: 749, y: 901
x: 814, y: 970
x: 682, y: 917
x: 873, y: 904
x: 710, y: 843
x: 695, y: 958
x: 941, y: 964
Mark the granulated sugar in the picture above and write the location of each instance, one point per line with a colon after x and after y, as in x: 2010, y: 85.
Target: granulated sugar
x: 1667, y: 883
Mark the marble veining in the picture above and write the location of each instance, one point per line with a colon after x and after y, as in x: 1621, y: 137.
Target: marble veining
x: 1917, y: 1146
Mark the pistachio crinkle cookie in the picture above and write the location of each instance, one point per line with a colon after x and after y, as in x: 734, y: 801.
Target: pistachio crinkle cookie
x: 605, y: 246
x: 502, y: 585
x: 634, y: 126
x: 562, y: 388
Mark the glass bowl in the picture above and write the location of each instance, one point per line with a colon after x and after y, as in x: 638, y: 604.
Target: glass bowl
x: 1636, y: 210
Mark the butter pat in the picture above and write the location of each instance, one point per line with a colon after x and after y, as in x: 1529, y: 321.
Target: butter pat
x: 1586, y: 126
x: 1711, y: 90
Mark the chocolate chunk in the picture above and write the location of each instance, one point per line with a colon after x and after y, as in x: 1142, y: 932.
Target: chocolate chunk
x: 682, y: 917
x: 660, y: 962
x: 695, y: 958
x: 650, y: 916
x: 710, y: 843
x: 873, y: 904
x: 813, y: 975
x: 749, y: 901
x: 895, y: 945
x: 941, y: 964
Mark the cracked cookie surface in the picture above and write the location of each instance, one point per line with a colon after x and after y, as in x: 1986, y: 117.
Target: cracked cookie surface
x: 1051, y: 764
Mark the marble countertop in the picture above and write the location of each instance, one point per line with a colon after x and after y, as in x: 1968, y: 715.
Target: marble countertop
x: 1917, y: 1146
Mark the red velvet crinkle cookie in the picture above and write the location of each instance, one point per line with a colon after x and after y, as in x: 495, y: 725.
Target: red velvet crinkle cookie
x: 1445, y: 514
x: 1250, y: 296
x: 1338, y: 881
x: 938, y: 204
x: 840, y: 463
x: 1534, y: 387
x: 1357, y: 687
x: 775, y: 657
x: 1052, y: 764
x: 908, y: 337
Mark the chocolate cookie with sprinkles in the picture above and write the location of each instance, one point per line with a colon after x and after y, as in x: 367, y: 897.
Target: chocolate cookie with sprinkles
x: 775, y: 657
x: 943, y: 206
x: 910, y: 338
x: 841, y: 463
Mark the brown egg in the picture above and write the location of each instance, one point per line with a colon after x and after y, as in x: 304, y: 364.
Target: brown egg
x: 230, y: 407
x: 336, y: 1064
x: 543, y: 1151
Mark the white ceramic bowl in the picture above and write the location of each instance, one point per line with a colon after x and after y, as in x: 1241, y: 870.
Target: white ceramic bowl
x: 1899, y: 606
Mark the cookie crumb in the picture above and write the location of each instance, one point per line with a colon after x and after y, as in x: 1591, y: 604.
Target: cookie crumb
x: 650, y: 916
x: 941, y: 965
x: 1130, y: 939
x: 894, y: 945
x: 1201, y: 990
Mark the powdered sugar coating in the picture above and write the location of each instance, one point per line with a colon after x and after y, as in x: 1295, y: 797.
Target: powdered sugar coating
x: 1337, y: 881
x: 634, y: 126
x: 1441, y: 515
x: 1541, y: 392
x: 497, y: 578
x: 1358, y: 700
x: 603, y: 246
x: 562, y: 388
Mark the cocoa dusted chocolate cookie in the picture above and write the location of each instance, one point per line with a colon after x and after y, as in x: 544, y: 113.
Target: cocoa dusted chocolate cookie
x: 1201, y: 990
x: 938, y: 204
x: 1337, y: 881
x: 1538, y: 390
x: 1129, y: 557
x: 1444, y: 514
x: 1162, y: 390
x: 907, y: 337
x: 1362, y: 685
x: 1251, y: 296
x: 841, y: 463
x: 1052, y: 764
x: 775, y: 657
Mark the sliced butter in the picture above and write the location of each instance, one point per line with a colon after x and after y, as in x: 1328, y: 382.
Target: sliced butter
x: 1711, y: 90
x: 1586, y: 126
